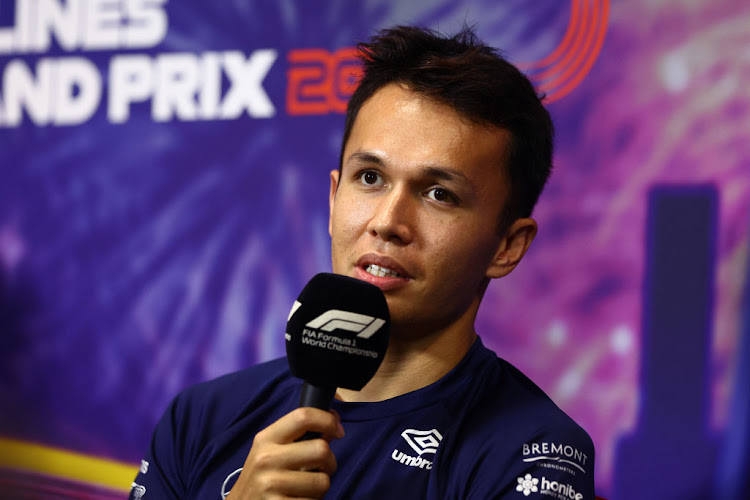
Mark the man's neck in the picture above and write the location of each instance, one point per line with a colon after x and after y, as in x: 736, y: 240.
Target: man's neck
x: 412, y: 364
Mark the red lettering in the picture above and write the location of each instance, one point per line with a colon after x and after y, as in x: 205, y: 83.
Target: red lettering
x: 319, y: 82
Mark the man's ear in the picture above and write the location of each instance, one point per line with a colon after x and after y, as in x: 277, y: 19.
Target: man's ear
x: 331, y: 198
x: 512, y: 248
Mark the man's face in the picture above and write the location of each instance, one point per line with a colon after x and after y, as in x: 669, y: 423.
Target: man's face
x: 415, y: 207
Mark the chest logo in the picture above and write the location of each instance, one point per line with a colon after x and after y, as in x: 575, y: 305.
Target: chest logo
x: 423, y: 443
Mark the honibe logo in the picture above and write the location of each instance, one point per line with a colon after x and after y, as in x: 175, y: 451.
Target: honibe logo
x: 529, y: 484
x: 364, y: 326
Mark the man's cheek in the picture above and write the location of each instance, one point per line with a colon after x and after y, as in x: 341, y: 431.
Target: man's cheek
x: 354, y: 217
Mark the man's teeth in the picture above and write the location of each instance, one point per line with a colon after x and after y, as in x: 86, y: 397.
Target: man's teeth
x: 381, y: 272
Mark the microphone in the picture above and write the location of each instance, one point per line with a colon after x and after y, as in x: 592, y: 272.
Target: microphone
x: 336, y: 336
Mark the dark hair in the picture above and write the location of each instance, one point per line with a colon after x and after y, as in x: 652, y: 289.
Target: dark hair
x: 478, y: 83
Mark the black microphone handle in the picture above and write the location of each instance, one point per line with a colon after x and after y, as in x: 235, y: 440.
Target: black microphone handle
x: 316, y: 397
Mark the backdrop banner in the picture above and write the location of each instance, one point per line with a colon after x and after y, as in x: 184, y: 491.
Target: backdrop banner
x: 164, y: 198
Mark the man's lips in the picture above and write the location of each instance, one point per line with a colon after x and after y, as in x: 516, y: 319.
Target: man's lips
x: 382, y: 267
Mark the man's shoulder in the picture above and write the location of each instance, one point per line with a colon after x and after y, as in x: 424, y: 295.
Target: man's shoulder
x: 274, y: 370
x: 507, y: 411
x: 514, y: 401
x: 511, y: 429
x: 229, y: 396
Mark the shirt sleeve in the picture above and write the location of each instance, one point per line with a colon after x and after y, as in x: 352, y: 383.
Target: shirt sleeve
x: 554, y: 463
x: 161, y: 475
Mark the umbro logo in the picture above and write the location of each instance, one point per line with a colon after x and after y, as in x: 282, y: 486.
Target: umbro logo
x: 422, y: 442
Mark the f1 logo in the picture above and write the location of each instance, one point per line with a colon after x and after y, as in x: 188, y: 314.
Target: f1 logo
x: 321, y: 82
x: 365, y: 326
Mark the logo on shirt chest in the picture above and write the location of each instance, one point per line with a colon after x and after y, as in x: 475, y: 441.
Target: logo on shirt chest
x: 555, y: 456
x: 529, y: 484
x: 421, y: 442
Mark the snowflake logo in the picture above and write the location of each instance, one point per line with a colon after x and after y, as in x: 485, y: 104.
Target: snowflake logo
x: 527, y: 484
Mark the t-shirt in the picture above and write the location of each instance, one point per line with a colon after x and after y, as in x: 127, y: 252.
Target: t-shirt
x: 483, y: 431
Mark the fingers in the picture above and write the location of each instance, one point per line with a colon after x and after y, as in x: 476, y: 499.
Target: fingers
x: 293, y: 425
x: 280, y: 466
x: 293, y: 484
x: 310, y: 455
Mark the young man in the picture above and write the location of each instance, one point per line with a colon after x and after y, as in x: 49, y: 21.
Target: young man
x: 445, y: 152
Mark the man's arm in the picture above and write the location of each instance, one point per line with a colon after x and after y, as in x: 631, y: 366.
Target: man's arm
x: 160, y: 474
x: 553, y: 464
x: 276, y: 465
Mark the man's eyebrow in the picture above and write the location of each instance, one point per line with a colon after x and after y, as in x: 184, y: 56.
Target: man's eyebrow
x: 366, y: 157
x: 439, y: 171
x: 446, y: 174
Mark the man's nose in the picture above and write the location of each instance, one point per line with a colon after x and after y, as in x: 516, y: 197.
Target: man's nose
x: 393, y: 219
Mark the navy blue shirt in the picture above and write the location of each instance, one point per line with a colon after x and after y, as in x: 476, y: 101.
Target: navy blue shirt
x: 483, y: 431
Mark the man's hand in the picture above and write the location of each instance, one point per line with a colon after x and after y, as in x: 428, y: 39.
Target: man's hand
x: 278, y: 466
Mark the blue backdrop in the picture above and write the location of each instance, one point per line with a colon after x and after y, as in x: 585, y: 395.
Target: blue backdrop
x: 163, y: 199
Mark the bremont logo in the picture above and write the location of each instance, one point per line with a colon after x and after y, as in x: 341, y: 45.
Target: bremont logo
x: 549, y: 452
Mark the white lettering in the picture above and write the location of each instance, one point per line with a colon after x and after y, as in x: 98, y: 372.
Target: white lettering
x: 61, y: 20
x: 137, y: 491
x: 246, y: 77
x: 554, y: 449
x: 334, y: 338
x: 62, y: 91
x: 101, y: 24
x: 130, y: 80
x: 210, y: 88
x: 147, y: 25
x: 84, y: 24
x: 20, y: 37
x: 23, y: 92
x: 78, y: 91
x: 313, y: 342
x: 405, y: 459
x: 187, y: 86
x: 565, y: 490
x: 176, y: 84
x: 6, y: 40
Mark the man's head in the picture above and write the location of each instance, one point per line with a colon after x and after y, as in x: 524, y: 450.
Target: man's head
x: 471, y: 78
x: 440, y: 150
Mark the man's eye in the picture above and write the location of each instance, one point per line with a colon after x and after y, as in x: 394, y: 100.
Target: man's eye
x: 442, y: 195
x: 370, y: 178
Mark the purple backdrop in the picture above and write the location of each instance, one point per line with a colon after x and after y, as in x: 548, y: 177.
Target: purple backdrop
x: 164, y: 199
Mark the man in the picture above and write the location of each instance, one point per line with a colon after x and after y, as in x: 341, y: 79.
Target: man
x: 445, y: 152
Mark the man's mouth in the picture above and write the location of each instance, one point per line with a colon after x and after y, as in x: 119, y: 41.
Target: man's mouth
x: 381, y: 272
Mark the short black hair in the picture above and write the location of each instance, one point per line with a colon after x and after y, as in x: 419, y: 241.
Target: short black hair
x: 476, y: 81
